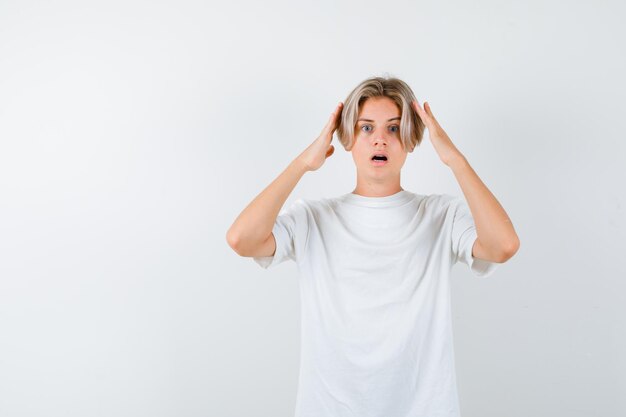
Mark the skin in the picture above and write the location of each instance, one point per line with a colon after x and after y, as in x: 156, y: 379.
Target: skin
x: 497, y: 240
x: 251, y: 233
x: 378, y: 135
x: 314, y: 156
x: 448, y: 153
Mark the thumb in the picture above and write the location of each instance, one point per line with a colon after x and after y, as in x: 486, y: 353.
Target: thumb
x: 330, y: 151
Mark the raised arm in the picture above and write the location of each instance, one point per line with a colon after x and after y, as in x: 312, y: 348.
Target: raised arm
x: 497, y: 240
x: 251, y: 233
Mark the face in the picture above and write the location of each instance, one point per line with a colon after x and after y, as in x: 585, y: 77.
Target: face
x: 378, y: 131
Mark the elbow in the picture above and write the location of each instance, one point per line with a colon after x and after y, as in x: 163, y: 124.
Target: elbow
x: 510, y: 250
x: 233, y: 241
x: 243, y: 246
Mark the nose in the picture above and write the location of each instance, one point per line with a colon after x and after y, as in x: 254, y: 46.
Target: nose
x: 380, y: 140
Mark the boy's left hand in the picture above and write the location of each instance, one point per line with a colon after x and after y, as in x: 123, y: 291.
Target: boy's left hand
x: 443, y: 145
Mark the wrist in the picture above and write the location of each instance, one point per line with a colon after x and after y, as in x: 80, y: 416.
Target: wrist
x: 299, y: 165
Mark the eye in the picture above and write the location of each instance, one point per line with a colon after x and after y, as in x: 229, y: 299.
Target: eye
x: 393, y: 128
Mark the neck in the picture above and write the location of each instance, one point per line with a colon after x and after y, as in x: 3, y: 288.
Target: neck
x: 375, y: 189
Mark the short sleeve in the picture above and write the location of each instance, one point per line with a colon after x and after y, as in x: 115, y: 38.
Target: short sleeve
x: 463, y: 238
x: 290, y: 231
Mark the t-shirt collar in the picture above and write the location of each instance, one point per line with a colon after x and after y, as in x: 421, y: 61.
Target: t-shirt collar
x: 396, y: 199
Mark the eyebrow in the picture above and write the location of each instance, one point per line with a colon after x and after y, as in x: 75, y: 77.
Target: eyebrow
x: 368, y: 120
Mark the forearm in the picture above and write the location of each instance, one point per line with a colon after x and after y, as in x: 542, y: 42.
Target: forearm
x: 493, y: 226
x: 255, y: 223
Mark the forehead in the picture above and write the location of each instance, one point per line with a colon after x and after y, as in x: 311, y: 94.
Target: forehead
x: 381, y: 109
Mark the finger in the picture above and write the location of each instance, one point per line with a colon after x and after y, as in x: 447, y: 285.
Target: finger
x: 418, y: 109
x: 330, y: 151
x: 335, y: 113
x: 332, y: 120
x: 428, y: 110
x: 422, y: 114
x: 430, y: 114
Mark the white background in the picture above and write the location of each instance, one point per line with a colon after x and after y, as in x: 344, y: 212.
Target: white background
x: 132, y: 133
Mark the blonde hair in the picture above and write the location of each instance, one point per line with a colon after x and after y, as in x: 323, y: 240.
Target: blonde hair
x: 411, y: 126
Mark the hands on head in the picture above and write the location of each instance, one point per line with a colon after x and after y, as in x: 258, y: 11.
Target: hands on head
x: 447, y: 151
x: 315, y: 155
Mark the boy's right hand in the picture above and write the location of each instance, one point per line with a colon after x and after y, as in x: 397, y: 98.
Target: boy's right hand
x: 314, y: 156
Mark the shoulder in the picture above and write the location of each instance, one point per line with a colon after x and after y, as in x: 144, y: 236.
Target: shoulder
x: 304, y: 208
x: 442, y: 201
x: 316, y: 204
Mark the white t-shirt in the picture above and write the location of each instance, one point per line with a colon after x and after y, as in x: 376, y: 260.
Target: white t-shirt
x: 376, y: 330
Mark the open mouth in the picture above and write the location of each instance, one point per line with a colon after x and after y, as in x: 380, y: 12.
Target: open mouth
x: 378, y: 160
